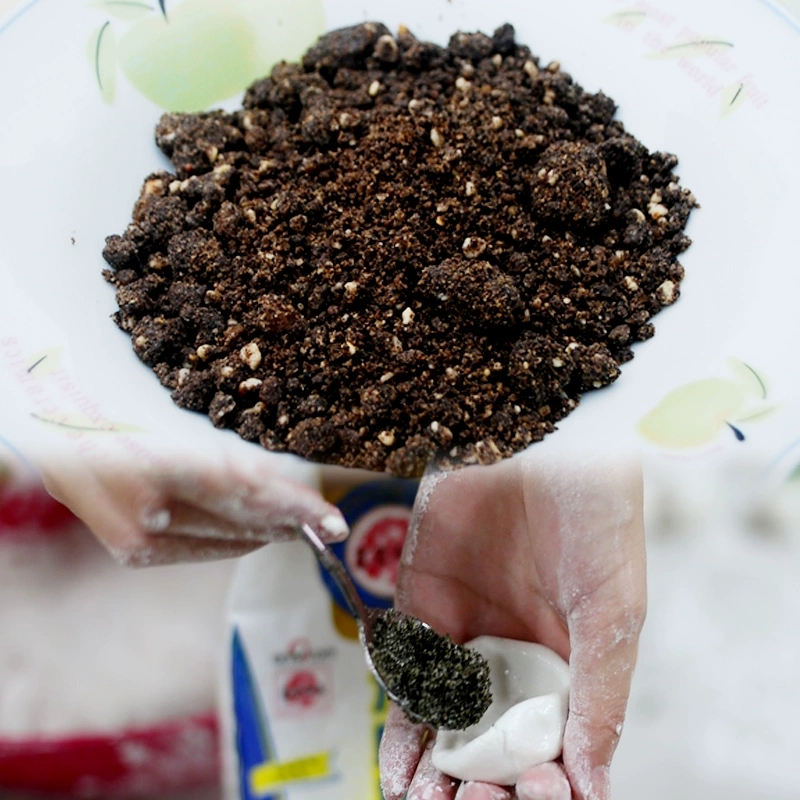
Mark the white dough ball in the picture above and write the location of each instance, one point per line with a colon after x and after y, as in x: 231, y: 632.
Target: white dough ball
x: 524, y: 725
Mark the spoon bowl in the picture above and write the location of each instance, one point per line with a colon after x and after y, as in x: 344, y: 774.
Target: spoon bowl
x: 431, y: 678
x: 365, y: 617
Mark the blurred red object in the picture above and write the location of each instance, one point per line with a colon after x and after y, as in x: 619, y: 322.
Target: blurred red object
x: 27, y: 507
x: 150, y: 762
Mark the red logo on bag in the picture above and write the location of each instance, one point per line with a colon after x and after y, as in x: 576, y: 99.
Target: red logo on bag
x: 302, y: 688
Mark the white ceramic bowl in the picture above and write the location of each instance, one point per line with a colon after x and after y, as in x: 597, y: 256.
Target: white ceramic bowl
x: 83, y: 84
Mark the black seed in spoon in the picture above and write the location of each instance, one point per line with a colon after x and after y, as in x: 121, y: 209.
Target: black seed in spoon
x: 438, y: 681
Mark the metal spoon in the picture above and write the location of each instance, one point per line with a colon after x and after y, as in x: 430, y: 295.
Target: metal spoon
x: 364, y: 616
x: 454, y: 692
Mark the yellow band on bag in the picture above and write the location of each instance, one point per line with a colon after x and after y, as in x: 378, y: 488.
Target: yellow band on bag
x: 267, y: 777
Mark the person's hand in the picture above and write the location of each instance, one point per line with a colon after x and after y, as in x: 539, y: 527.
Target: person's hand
x: 529, y: 551
x: 189, y: 509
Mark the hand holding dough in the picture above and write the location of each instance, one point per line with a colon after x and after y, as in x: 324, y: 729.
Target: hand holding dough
x: 524, y: 726
x: 535, y: 549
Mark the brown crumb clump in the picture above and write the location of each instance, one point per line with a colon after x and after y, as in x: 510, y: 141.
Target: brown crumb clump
x: 397, y: 251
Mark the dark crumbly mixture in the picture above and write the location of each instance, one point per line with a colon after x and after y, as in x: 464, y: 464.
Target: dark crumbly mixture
x: 438, y: 681
x: 396, y: 251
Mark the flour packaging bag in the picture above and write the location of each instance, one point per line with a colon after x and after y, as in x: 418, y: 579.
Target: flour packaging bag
x: 302, y: 715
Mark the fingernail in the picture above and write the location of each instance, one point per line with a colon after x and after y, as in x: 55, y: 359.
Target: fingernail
x: 462, y: 789
x: 545, y: 782
x: 334, y: 527
x: 156, y: 520
x: 476, y: 790
x: 137, y: 557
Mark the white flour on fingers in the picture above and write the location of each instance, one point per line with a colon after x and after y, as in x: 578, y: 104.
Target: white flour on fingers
x: 429, y: 783
x: 427, y: 487
x: 400, y: 750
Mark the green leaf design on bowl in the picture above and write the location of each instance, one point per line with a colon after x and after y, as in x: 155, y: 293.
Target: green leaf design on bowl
x: 102, y: 53
x: 205, y: 51
x: 792, y: 5
x: 753, y: 415
x: 79, y: 422
x: 732, y: 97
x: 124, y: 9
x: 694, y: 414
x: 626, y: 19
x: 692, y: 48
x: 750, y: 380
x: 44, y: 362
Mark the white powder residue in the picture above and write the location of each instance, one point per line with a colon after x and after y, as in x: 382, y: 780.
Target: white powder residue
x: 427, y: 487
x: 241, y: 501
x: 400, y: 750
x: 545, y: 782
x: 577, y: 745
x: 592, y: 510
x: 483, y: 791
x: 429, y: 783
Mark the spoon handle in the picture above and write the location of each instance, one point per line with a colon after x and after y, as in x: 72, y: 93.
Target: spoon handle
x: 332, y: 564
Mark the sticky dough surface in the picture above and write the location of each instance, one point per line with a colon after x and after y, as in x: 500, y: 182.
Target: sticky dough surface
x: 524, y: 725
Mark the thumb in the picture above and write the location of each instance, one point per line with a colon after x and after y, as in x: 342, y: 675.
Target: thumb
x: 604, y: 632
x: 592, y: 558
